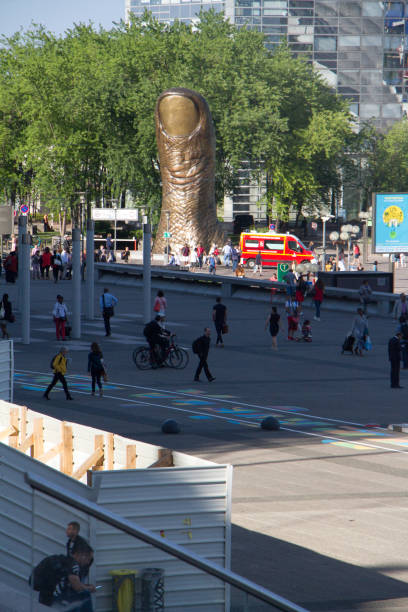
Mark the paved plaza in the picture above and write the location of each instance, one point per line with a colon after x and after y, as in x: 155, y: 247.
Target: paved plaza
x: 319, y: 508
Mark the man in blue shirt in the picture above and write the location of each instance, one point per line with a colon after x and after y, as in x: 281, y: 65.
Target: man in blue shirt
x: 106, y: 302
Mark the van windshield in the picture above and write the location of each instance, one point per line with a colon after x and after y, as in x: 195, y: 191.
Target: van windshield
x: 302, y: 245
x: 296, y: 245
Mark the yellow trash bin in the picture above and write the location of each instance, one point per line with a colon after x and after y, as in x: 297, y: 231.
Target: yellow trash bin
x: 124, y: 590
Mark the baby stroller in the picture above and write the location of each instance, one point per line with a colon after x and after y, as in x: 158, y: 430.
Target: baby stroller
x: 348, y: 344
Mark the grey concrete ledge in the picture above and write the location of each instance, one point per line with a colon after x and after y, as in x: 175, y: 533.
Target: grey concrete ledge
x: 253, y: 288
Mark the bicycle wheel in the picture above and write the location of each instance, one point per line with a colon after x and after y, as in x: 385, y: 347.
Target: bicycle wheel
x: 141, y: 358
x: 178, y: 358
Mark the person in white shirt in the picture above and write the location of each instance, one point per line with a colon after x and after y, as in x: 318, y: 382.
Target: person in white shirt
x: 227, y: 252
x: 60, y: 314
x: 65, y: 262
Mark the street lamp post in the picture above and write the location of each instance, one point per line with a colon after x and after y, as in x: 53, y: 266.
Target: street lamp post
x: 147, y: 237
x: 115, y: 208
x: 334, y: 236
x: 364, y: 216
x: 347, y: 232
x: 168, y: 235
x: 325, y: 218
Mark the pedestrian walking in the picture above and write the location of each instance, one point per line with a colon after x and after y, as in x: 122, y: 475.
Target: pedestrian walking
x: 356, y: 252
x: 258, y: 263
x: 291, y: 308
x: 212, y: 264
x: 96, y: 367
x: 227, y: 253
x: 403, y: 328
x: 56, y: 265
x: 160, y: 304
x: 290, y: 280
x: 301, y: 288
x: 201, y: 346
x: 45, y: 262
x: 60, y: 314
x: 365, y: 292
x: 400, y: 307
x: 359, y: 331
x: 219, y: 316
x: 107, y: 302
x: 6, y: 315
x: 235, y: 255
x: 35, y: 265
x: 11, y: 267
x: 394, y: 355
x: 273, y: 322
x: 200, y: 255
x: 59, y: 367
x: 317, y: 294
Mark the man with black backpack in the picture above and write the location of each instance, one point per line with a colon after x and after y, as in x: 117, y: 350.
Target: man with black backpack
x: 201, y: 347
x: 57, y: 578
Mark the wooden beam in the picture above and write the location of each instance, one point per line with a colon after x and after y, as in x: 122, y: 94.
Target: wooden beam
x: 23, y: 422
x: 110, y: 452
x: 66, y: 462
x: 26, y: 444
x: 53, y: 452
x: 131, y: 457
x: 38, y: 434
x: 99, y: 442
x: 96, y: 457
x: 165, y: 459
x: 10, y: 431
x: 13, y: 438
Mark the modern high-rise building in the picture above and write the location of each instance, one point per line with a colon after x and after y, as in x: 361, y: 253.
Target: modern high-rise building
x: 360, y: 46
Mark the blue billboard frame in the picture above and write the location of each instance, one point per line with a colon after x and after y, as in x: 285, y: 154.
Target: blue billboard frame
x: 390, y: 222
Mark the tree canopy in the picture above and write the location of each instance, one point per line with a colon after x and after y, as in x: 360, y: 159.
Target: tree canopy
x: 77, y: 111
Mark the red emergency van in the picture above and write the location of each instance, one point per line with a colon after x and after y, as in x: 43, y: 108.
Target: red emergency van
x: 275, y: 248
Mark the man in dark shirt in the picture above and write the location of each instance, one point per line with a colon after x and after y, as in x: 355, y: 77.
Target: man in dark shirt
x: 394, y: 354
x: 219, y: 316
x: 157, y: 338
x: 75, y: 540
x: 70, y: 588
x: 203, y: 350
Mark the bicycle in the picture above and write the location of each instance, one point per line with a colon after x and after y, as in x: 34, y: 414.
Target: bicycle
x: 175, y: 357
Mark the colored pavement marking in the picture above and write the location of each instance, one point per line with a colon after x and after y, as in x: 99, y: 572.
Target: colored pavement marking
x: 357, y: 432
x: 201, y: 417
x: 191, y: 403
x: 348, y: 445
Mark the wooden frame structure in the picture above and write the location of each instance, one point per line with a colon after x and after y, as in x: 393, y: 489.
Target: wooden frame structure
x: 46, y: 439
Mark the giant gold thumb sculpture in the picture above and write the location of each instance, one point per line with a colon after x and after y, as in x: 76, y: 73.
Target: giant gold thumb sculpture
x: 186, y: 144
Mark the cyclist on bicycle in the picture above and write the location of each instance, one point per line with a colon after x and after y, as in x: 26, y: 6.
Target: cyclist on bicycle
x: 157, y: 337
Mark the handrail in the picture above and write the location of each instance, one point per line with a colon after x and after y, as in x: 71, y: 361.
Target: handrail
x: 111, y: 518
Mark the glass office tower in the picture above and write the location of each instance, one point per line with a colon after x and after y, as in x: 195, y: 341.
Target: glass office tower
x: 360, y: 46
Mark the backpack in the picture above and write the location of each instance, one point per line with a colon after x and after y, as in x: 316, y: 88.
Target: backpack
x: 52, y: 361
x: 148, y: 331
x: 48, y: 573
x: 196, y: 346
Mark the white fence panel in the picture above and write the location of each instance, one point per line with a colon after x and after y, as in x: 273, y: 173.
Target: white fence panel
x: 188, y: 505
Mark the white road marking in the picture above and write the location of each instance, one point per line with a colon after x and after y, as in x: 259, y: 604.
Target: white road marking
x: 226, y: 418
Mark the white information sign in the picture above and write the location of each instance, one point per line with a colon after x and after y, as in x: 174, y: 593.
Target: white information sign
x: 122, y: 214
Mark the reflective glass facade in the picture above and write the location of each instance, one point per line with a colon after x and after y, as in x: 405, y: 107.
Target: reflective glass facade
x: 360, y: 46
x: 169, y: 10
